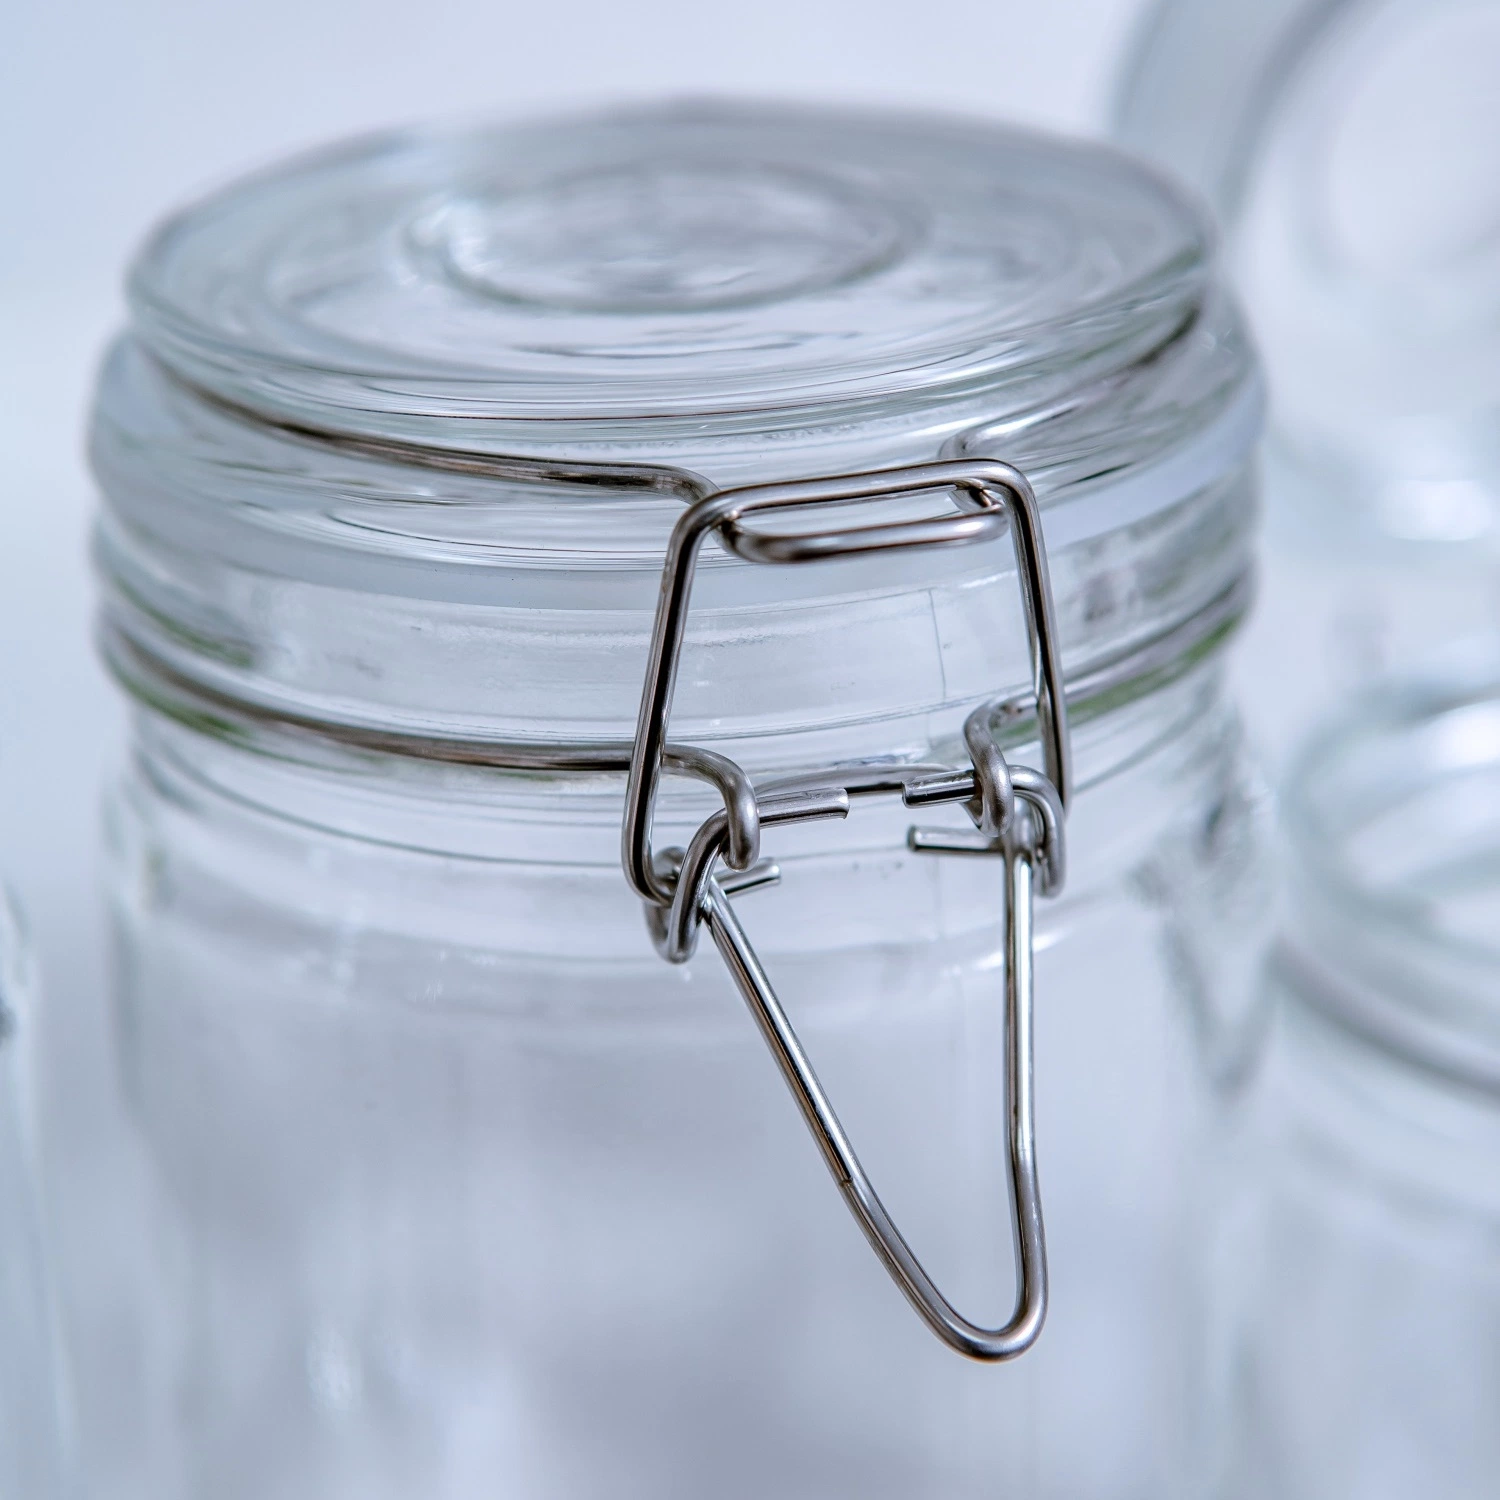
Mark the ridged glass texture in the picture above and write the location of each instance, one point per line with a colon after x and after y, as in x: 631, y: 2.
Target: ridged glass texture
x: 664, y: 264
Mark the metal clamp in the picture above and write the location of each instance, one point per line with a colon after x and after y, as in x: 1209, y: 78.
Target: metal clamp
x: 1017, y: 812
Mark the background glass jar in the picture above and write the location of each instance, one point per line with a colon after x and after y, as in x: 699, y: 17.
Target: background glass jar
x: 1377, y: 326
x: 457, y: 1183
x: 34, y: 1447
x: 1357, y: 1273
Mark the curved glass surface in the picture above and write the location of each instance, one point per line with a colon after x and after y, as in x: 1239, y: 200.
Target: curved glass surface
x: 1364, y: 235
x: 34, y: 1454
x: 774, y: 266
x: 1351, y: 1258
x: 461, y: 1186
x: 1394, y: 818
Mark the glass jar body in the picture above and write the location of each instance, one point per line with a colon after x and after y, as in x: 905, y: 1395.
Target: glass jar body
x: 34, y: 1452
x: 459, y: 1189
x: 1355, y: 1274
x: 1356, y: 1284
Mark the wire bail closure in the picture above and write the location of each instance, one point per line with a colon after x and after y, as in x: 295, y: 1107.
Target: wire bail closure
x: 1018, y: 813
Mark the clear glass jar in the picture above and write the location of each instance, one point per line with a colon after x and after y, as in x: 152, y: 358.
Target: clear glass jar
x: 1357, y: 1269
x: 460, y: 1187
x: 1362, y: 240
x: 34, y: 1448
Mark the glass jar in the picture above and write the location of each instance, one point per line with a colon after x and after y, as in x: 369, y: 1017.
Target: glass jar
x: 1357, y: 1272
x: 1362, y: 240
x: 34, y: 1451
x: 461, y: 1187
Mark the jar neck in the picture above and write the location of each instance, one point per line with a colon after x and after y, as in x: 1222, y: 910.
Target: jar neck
x: 309, y: 578
x: 1137, y: 764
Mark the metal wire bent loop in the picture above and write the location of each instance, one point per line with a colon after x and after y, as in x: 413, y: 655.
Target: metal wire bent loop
x: 990, y: 496
x: 1017, y: 812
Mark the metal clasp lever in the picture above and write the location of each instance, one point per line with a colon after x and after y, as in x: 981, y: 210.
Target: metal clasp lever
x: 1017, y: 812
x: 1019, y: 815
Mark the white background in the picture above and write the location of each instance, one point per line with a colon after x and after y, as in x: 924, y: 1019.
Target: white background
x: 112, y: 111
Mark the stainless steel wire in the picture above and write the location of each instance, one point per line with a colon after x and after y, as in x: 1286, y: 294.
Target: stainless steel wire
x: 679, y: 885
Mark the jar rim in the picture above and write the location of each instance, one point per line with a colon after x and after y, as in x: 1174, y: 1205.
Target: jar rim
x: 729, y: 263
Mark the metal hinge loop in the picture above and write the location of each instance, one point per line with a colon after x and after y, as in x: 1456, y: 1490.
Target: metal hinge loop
x: 1017, y: 812
x: 990, y: 496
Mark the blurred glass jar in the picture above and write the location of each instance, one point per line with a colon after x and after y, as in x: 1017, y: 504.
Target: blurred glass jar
x: 1357, y: 1272
x: 1364, y: 238
x: 33, y: 1438
x: 463, y: 1189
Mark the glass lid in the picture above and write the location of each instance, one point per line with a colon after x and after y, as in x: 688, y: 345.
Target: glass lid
x: 765, y: 267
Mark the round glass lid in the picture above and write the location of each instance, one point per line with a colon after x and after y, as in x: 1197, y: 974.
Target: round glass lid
x: 701, y: 262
